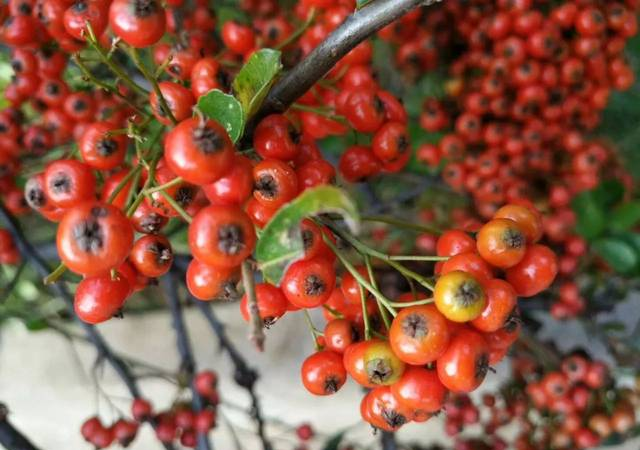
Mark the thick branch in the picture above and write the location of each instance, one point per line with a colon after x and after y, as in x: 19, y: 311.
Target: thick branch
x: 10, y: 437
x: 187, y: 361
x: 29, y: 253
x: 355, y: 29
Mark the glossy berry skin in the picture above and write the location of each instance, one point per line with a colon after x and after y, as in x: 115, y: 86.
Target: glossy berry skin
x: 206, y: 382
x: 275, y: 183
x: 93, y: 238
x: 358, y: 163
x: 501, y: 301
x: 151, y: 255
x: 535, y: 272
x: 339, y: 334
x: 420, y: 389
x: 179, y: 100
x: 309, y: 283
x: 272, y: 303
x: 101, y: 150
x: 464, y: 364
x: 221, y: 236
x: 471, y: 263
x: 391, y: 142
x: 199, y: 151
x: 382, y: 409
x: 68, y: 182
x: 235, y: 186
x: 419, y: 334
x: 323, y: 373
x: 276, y: 138
x: 459, y: 296
x: 82, y: 11
x: 238, y: 38
x: 364, y: 111
x: 528, y: 221
x: 139, y: 23
x: 501, y: 243
x: 97, y: 299
x: 124, y: 432
x: 141, y: 409
x: 372, y: 363
x: 454, y: 242
x: 207, y: 282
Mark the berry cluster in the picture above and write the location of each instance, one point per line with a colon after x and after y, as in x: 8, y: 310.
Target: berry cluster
x: 576, y: 406
x: 432, y: 346
x: 528, y: 85
x: 180, y: 423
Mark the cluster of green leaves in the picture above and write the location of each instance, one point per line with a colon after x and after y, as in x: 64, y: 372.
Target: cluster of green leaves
x: 609, y: 223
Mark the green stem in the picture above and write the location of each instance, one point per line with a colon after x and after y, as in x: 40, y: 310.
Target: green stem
x: 162, y: 187
x: 55, y: 275
x: 334, y: 312
x: 312, y: 329
x: 424, y: 301
x: 410, y: 273
x: 154, y: 84
x: 101, y: 84
x: 324, y: 112
x: 117, y: 71
x: 365, y: 315
x: 402, y: 224
x: 381, y: 307
x: 132, y: 173
x: 174, y: 204
x: 385, y: 301
x: 151, y: 174
x: 299, y: 32
x: 418, y: 258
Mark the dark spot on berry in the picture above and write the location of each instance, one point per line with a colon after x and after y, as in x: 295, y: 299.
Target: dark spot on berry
x: 151, y: 223
x: 34, y: 194
x: 415, y: 326
x: 482, y: 366
x: 184, y: 195
x: 145, y: 8
x: 378, y: 370
x: 80, y: 6
x: 230, y: 239
x: 267, y: 186
x: 468, y: 294
x: 331, y: 384
x: 80, y: 105
x: 208, y: 140
x: 106, y: 147
x: 513, y: 238
x: 52, y: 89
x: 307, y: 239
x: 314, y: 285
x: 393, y: 418
x: 163, y: 254
x: 60, y: 183
x: 89, y: 235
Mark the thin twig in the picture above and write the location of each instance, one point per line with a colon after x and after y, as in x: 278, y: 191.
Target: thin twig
x: 10, y: 437
x: 244, y: 375
x: 256, y: 333
x: 187, y: 361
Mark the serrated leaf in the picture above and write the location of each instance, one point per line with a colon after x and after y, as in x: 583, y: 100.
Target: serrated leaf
x: 280, y: 243
x: 625, y: 216
x: 334, y: 442
x: 224, y: 109
x: 590, y: 216
x: 618, y: 253
x: 254, y: 80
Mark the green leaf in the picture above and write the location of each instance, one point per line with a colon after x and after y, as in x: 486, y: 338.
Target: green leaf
x: 362, y: 3
x: 254, y: 80
x: 618, y: 253
x: 625, y: 216
x: 608, y: 193
x: 590, y: 216
x: 224, y: 109
x: 280, y: 243
x: 36, y: 324
x: 334, y: 442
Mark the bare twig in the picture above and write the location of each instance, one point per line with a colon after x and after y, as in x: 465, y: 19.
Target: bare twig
x: 244, y: 375
x: 187, y: 361
x: 256, y: 333
x: 10, y: 437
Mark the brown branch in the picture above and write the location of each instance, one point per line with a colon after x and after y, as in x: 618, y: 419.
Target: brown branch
x: 10, y: 437
x: 256, y: 333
